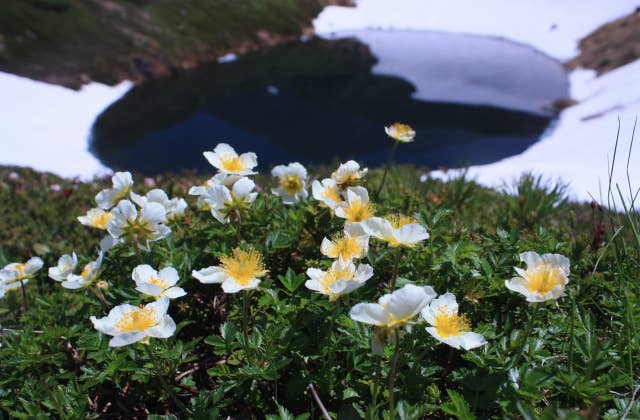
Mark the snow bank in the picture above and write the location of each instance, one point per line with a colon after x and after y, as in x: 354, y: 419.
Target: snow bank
x: 577, y: 149
x: 46, y: 126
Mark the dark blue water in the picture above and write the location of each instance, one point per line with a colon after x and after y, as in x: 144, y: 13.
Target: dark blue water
x: 319, y: 101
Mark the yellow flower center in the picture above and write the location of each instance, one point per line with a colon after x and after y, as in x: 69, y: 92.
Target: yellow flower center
x: 357, y: 211
x: 232, y: 163
x: 543, y: 279
x: 448, y: 325
x: 137, y: 320
x: 333, y: 194
x: 100, y: 220
x: 86, y: 271
x: 392, y: 321
x: 20, y: 269
x: 157, y: 281
x: 333, y: 275
x: 346, y: 247
x: 243, y: 266
x: 291, y: 184
x: 398, y: 220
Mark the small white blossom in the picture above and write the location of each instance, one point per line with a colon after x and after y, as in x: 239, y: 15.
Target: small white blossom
x: 223, y: 202
x: 146, y: 225
x: 88, y: 275
x: 96, y: 218
x: 129, y: 324
x: 66, y: 264
x: 292, y: 182
x: 397, y: 231
x: 327, y: 192
x: 348, y: 172
x: 174, y: 207
x: 237, y: 272
x: 449, y: 327
x: 343, y: 277
x: 122, y: 183
x: 544, y: 279
x: 225, y: 159
x: 153, y: 283
x: 356, y: 208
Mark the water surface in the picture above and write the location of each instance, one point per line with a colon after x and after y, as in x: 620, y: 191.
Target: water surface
x: 472, y: 100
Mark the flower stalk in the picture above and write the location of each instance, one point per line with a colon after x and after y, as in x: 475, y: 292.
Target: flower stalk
x: 386, y: 168
x: 245, y: 324
x: 394, y: 275
x: 392, y: 374
x: 527, y: 332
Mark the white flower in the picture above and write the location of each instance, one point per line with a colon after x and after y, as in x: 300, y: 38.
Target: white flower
x: 153, y: 283
x: 226, y: 160
x: 238, y: 272
x: 86, y: 277
x: 173, y: 208
x: 129, y: 324
x: 348, y: 172
x: 327, y: 192
x: 400, y: 132
x: 145, y: 226
x: 223, y: 202
x: 544, y: 279
x: 396, y: 230
x: 66, y: 264
x: 19, y: 271
x: 6, y: 287
x: 448, y: 326
x: 357, y: 207
x: 122, y: 183
x: 292, y: 182
x: 96, y: 218
x: 352, y: 243
x: 394, y: 309
x: 343, y: 277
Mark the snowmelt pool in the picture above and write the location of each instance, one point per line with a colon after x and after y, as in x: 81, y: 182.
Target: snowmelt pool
x: 472, y: 100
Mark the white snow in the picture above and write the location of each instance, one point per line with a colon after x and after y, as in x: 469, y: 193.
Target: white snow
x: 577, y: 150
x: 46, y: 126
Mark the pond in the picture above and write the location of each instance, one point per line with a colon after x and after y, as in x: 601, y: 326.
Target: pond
x: 471, y: 99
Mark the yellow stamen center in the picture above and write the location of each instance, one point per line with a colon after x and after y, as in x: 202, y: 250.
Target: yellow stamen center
x: 333, y: 275
x: 398, y: 220
x: 243, y: 266
x: 137, y: 320
x: 232, y: 163
x: 20, y: 269
x: 357, y: 211
x: 392, y: 321
x: 100, y: 220
x: 333, y: 194
x: 291, y: 184
x: 346, y: 247
x: 543, y: 279
x: 450, y: 324
x: 157, y: 281
x: 86, y: 271
x: 401, y: 131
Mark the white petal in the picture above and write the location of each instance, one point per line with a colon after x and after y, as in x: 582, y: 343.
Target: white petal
x: 559, y: 261
x: 376, y: 226
x: 243, y: 187
x: 164, y: 329
x: 160, y: 306
x: 230, y: 286
x: 532, y: 259
x: 143, y: 273
x: 138, y: 199
x: 411, y: 233
x: 407, y: 301
x: 250, y: 161
x: 169, y: 275
x: 471, y: 340
x: 210, y: 275
x: 369, y: 313
x: 122, y: 180
x: 174, y: 292
x: 453, y: 341
x: 153, y: 213
x: 127, y: 338
x: 314, y: 285
x: 149, y: 289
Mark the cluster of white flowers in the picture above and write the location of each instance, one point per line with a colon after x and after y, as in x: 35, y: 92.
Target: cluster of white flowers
x: 120, y: 217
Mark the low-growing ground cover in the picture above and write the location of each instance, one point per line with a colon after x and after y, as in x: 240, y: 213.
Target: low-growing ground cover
x: 281, y: 350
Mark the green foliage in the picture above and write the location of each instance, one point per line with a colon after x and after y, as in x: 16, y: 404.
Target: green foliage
x: 579, y: 361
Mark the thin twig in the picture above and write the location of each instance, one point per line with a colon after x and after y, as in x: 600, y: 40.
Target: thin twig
x: 316, y: 397
x: 195, y: 368
x: 633, y: 398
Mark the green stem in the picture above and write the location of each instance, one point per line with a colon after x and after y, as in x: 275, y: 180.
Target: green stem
x: 136, y: 246
x: 386, y: 168
x: 527, y: 331
x: 332, y: 323
x: 24, y: 296
x: 245, y: 327
x: 163, y: 382
x: 392, y: 375
x: 394, y: 276
x: 238, y: 226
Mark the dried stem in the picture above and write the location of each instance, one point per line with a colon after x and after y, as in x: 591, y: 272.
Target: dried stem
x: 316, y: 397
